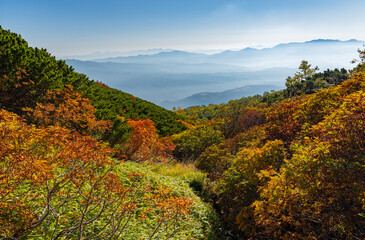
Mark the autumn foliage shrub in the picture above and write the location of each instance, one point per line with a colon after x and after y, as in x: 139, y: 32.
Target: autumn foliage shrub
x: 191, y: 143
x: 144, y: 144
x: 238, y: 186
x: 292, y: 119
x: 318, y: 191
x: 60, y: 184
x: 46, y: 169
x: 218, y: 158
x: 214, y: 161
x: 247, y: 118
x: 68, y: 109
x: 301, y: 175
x: 16, y: 90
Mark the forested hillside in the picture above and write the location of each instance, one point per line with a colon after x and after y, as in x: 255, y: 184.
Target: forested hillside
x: 27, y: 74
x: 306, y: 81
x: 289, y: 164
x: 59, y: 176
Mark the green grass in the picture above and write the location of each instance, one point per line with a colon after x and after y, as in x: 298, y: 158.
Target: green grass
x: 186, y: 172
x: 177, y: 177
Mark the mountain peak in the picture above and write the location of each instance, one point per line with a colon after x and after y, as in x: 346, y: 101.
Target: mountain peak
x: 321, y: 40
x: 178, y: 53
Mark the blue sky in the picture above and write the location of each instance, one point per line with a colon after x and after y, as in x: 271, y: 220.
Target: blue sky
x: 72, y: 27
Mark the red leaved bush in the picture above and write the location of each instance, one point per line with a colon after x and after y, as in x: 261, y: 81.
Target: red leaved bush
x: 144, y: 144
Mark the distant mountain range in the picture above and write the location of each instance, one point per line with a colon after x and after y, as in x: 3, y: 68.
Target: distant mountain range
x: 110, y: 54
x: 206, y: 98
x: 325, y: 53
x: 163, y: 76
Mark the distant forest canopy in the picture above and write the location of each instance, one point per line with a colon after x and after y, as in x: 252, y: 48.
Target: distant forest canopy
x: 306, y: 81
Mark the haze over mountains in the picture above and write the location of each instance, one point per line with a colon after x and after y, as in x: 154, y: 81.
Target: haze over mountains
x: 109, y: 54
x: 206, y: 98
x: 178, y: 78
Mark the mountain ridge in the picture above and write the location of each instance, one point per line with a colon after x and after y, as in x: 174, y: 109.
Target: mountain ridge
x: 176, y: 74
x: 186, y: 52
x: 206, y: 98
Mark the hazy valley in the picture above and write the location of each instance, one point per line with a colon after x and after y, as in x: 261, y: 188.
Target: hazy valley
x: 173, y: 78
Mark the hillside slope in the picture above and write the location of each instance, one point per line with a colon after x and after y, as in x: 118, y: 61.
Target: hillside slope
x: 26, y: 74
x: 291, y: 164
